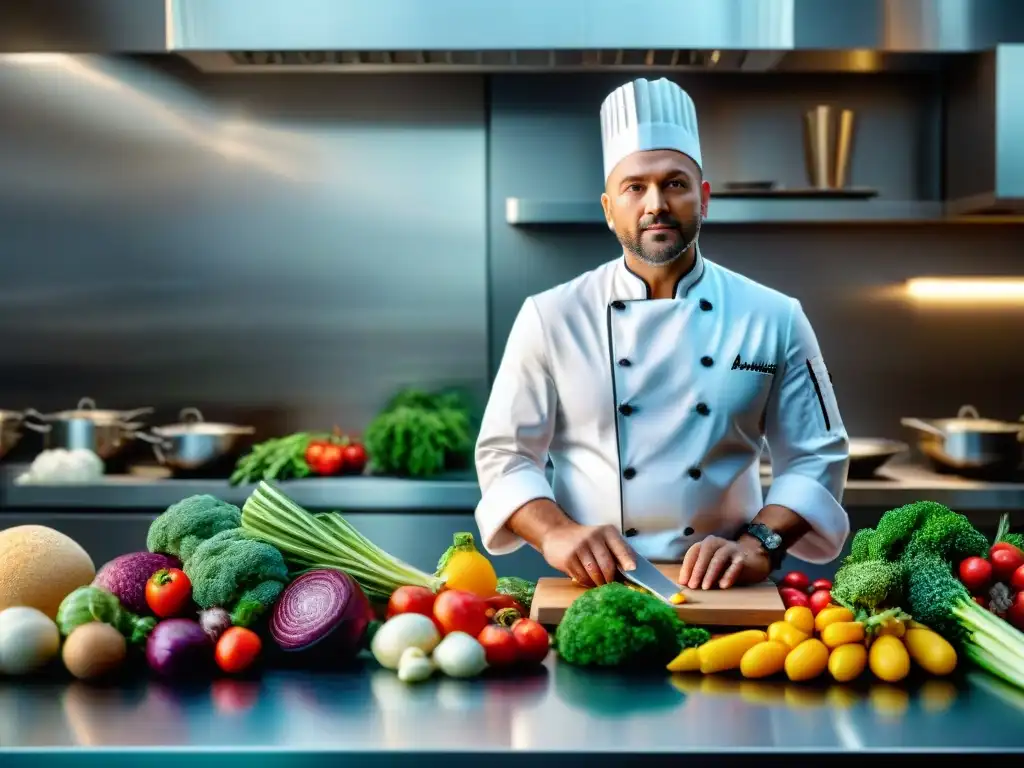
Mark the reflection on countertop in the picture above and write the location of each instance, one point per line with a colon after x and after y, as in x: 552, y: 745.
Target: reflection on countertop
x: 560, y: 708
x: 895, y: 484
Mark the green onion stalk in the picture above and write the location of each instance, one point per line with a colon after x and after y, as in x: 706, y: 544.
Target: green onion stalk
x: 309, y: 542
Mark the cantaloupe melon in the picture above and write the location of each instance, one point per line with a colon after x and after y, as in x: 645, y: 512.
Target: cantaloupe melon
x: 39, y: 567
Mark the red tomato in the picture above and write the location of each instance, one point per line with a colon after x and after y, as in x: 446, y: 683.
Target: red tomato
x: 1005, y: 562
x: 791, y: 596
x: 980, y: 601
x: 354, y: 457
x: 976, y: 574
x: 168, y: 592
x: 237, y: 649
x: 1000, y: 545
x: 458, y: 611
x: 818, y: 584
x: 500, y: 645
x: 1017, y: 582
x: 1016, y: 613
x: 819, y: 601
x: 533, y: 641
x: 411, y: 600
x: 796, y: 580
x: 324, y: 457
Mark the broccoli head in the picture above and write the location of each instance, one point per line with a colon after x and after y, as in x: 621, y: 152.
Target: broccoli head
x: 242, y: 575
x: 950, y: 536
x: 869, y: 585
x: 860, y: 545
x: 933, y: 592
x: 894, y: 531
x: 188, y: 523
x: 693, y: 637
x: 613, y: 626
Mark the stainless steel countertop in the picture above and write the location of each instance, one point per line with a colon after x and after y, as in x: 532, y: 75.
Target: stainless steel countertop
x: 562, y: 709
x: 896, y: 485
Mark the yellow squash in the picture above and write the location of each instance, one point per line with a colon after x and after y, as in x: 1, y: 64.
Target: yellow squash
x: 800, y: 616
x: 463, y: 568
x: 842, y: 633
x: 888, y: 659
x: 687, y: 661
x: 786, y: 633
x: 764, y: 659
x: 831, y: 616
x: 807, y: 660
x: 930, y: 651
x: 847, y: 662
x: 724, y: 653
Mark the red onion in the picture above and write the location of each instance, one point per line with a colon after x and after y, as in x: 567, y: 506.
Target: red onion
x: 323, y: 608
x: 125, y: 578
x: 179, y: 648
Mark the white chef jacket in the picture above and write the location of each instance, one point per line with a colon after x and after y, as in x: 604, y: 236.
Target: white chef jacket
x: 654, y: 413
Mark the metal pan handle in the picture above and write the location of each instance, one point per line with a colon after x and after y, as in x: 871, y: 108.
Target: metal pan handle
x: 34, y: 420
x: 159, y: 444
x: 968, y: 412
x: 922, y: 426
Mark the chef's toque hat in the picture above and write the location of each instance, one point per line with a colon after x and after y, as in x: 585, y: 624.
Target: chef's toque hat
x: 644, y: 115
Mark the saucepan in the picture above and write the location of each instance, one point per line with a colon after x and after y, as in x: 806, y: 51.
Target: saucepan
x: 867, y: 456
x: 970, y: 444
x: 195, y: 444
x: 104, y: 432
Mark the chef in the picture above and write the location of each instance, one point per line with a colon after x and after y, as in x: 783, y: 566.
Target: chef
x: 652, y: 384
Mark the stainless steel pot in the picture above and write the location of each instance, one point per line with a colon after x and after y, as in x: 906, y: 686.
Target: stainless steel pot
x: 104, y: 432
x: 970, y: 444
x: 195, y: 444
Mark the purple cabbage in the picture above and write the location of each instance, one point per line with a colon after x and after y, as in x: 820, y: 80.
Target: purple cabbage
x: 125, y: 578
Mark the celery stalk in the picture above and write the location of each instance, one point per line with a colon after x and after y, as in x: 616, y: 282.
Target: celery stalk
x: 327, y: 541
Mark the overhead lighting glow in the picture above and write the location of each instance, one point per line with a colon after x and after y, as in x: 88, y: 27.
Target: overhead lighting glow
x: 966, y: 289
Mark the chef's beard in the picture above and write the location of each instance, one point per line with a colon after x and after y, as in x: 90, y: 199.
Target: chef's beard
x: 661, y: 256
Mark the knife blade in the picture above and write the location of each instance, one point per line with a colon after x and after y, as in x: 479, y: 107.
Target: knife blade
x: 647, y: 575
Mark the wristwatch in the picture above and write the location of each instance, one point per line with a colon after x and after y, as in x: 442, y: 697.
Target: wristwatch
x: 770, y: 541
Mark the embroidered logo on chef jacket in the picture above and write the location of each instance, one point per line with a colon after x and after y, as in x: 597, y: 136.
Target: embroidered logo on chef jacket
x: 758, y: 367
x: 821, y: 385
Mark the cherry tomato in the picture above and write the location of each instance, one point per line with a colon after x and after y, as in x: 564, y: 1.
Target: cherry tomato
x: 976, y: 574
x: 458, y: 611
x: 500, y: 645
x: 354, y: 457
x: 324, y: 457
x: 791, y: 596
x: 1017, y: 582
x: 796, y: 580
x: 237, y: 649
x: 1016, y: 613
x: 1005, y: 562
x: 168, y: 592
x: 533, y: 641
x: 411, y: 600
x: 819, y: 601
x: 818, y: 584
x: 1000, y: 545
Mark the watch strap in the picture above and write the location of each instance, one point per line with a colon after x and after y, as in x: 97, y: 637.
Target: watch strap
x: 771, y: 542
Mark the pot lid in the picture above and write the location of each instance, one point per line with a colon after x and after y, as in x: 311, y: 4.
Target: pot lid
x: 192, y: 423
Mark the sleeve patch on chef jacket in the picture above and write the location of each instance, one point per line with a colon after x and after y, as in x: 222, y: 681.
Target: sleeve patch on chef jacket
x: 821, y: 385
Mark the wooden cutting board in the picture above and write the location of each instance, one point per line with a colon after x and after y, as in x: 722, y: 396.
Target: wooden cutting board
x: 752, y: 606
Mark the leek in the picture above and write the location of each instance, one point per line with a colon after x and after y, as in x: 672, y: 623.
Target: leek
x: 309, y: 542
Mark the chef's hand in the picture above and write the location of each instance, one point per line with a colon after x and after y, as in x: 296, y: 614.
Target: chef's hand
x: 723, y: 562
x: 590, y: 554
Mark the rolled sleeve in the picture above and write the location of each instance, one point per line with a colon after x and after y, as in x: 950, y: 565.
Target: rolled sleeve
x: 515, y: 433
x: 809, y: 446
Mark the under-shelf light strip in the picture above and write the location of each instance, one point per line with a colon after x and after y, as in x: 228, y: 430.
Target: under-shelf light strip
x: 978, y: 290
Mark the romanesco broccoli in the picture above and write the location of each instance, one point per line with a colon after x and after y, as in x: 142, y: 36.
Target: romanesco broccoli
x: 237, y: 573
x: 613, y: 626
x: 188, y: 523
x: 869, y: 585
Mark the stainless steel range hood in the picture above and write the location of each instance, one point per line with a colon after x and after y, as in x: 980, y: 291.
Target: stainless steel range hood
x: 349, y: 35
x: 984, y: 160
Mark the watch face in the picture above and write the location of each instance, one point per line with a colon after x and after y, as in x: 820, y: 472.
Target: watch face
x: 773, y: 541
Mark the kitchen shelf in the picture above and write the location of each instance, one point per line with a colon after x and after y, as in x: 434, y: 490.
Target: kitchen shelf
x: 525, y: 212
x: 459, y: 493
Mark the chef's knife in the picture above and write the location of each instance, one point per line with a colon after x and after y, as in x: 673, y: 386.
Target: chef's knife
x: 647, y: 575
